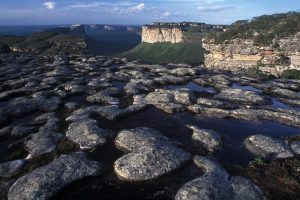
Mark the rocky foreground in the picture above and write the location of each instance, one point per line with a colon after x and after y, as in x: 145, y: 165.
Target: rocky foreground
x: 79, y: 126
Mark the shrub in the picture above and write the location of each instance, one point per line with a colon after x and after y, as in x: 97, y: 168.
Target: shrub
x: 291, y: 74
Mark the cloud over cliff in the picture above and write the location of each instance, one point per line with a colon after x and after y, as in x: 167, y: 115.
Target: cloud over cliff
x: 49, y: 5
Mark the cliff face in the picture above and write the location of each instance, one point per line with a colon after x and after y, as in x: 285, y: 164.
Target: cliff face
x: 242, y: 54
x: 161, y: 34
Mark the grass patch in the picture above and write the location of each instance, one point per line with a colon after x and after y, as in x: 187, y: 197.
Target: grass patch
x: 291, y: 74
x: 161, y: 53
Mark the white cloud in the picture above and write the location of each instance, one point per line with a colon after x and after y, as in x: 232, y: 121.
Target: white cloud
x: 167, y: 14
x: 84, y: 5
x: 213, y: 8
x: 129, y: 10
x: 49, y: 5
x: 135, y: 9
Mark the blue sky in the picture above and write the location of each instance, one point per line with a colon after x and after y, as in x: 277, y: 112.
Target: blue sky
x: 44, y: 12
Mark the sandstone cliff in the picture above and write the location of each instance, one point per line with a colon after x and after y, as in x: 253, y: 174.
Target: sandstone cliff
x: 243, y: 54
x: 188, y: 32
x: 161, y: 34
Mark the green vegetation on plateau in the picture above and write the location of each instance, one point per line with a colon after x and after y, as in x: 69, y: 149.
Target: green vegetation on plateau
x: 264, y: 28
x: 44, y: 43
x: 291, y: 74
x: 189, y: 53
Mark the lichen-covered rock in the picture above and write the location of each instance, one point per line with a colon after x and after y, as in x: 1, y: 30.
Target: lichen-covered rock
x: 129, y: 140
x: 244, y: 189
x: 160, y: 96
x: 87, y: 134
x: 150, y: 162
x: 264, y: 146
x: 72, y: 105
x: 295, y: 146
x: 9, y: 169
x: 105, y: 96
x: 284, y: 93
x: 110, y: 112
x: 240, y: 96
x: 41, y: 143
x: 216, y: 184
x: 150, y: 156
x: 46, y: 140
x: 170, y: 107
x: 209, y: 139
x: 45, y: 181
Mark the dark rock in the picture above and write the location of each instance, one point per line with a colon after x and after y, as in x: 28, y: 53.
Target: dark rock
x: 264, y: 146
x: 45, y: 181
x: 87, y: 134
x: 151, y: 155
x: 209, y: 139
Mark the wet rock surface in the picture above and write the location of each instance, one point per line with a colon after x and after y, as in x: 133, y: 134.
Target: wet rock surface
x: 151, y: 155
x: 45, y: 181
x: 87, y: 134
x: 215, y: 184
x: 144, y: 123
x: 264, y: 146
x: 211, y: 140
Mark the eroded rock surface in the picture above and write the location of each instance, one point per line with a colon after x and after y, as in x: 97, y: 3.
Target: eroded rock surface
x: 151, y: 155
x: 264, y: 146
x: 45, y: 181
x: 215, y: 184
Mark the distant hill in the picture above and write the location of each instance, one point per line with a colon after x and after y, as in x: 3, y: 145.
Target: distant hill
x: 189, y: 53
x: 49, y: 42
x: 69, y: 39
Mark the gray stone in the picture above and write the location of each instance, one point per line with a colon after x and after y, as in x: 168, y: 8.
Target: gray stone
x: 21, y: 131
x: 9, y: 169
x: 284, y: 93
x: 216, y: 184
x: 295, y: 146
x: 129, y: 140
x: 264, y: 146
x: 151, y: 155
x: 150, y: 162
x: 244, y: 189
x: 45, y: 181
x: 209, y: 139
x: 87, y: 134
x: 72, y: 105
x: 243, y: 97
x: 170, y: 107
x: 105, y: 96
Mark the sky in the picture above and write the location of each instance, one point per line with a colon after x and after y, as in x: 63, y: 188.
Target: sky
x: 137, y: 12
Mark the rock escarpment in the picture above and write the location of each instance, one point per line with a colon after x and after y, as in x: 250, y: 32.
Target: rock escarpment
x: 177, y: 32
x: 239, y: 54
x: 160, y: 34
x: 268, y: 44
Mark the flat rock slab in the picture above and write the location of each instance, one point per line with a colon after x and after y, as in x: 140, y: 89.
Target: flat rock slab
x: 240, y: 96
x: 151, y: 155
x: 132, y: 139
x: 150, y: 162
x: 45, y: 181
x: 295, y: 146
x: 87, y: 134
x: 209, y: 139
x: 264, y: 146
x: 8, y: 169
x: 216, y: 184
